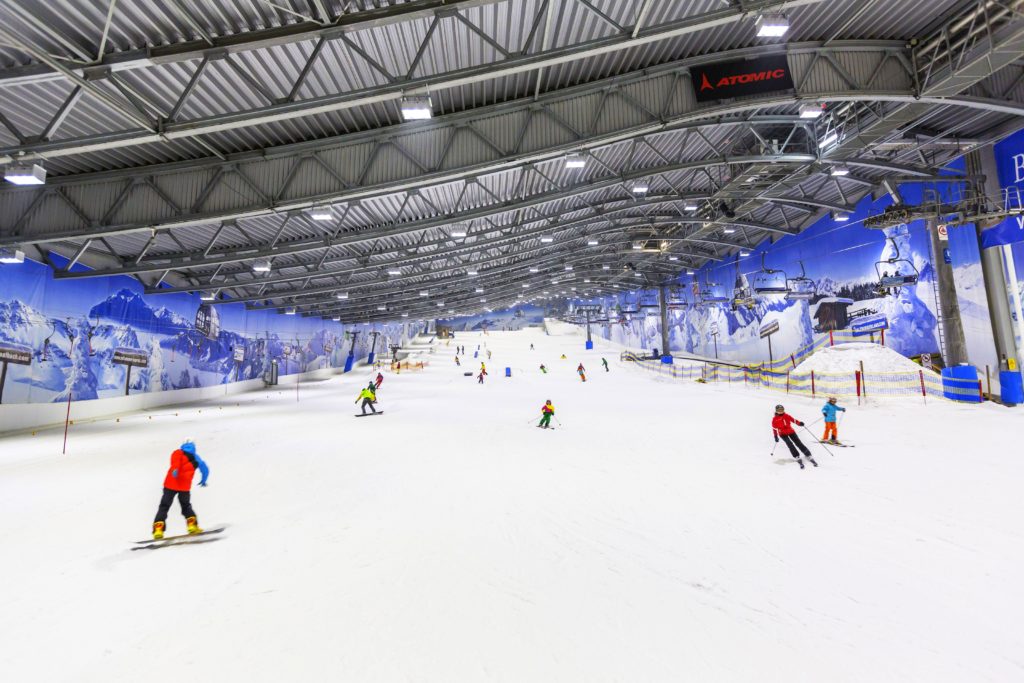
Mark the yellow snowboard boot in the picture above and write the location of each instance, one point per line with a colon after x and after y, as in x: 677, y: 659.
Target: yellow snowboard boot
x: 193, y: 527
x: 158, y: 530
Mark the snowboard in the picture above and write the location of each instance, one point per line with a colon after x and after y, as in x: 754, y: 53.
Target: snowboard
x: 379, y: 412
x: 180, y: 539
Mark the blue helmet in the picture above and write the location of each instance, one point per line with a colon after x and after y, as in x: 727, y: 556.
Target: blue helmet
x: 189, y: 448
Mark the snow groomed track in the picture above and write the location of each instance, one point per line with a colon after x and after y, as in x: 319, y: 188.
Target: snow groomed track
x: 650, y: 537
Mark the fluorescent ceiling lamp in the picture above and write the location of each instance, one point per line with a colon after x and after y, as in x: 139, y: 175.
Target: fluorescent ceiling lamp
x: 424, y: 292
x: 336, y: 318
x: 471, y: 272
x: 640, y: 187
x: 772, y: 25
x: 11, y: 255
x: 458, y: 231
x: 728, y: 231
x: 840, y: 217
x: 744, y: 253
x: 394, y: 272
x: 568, y: 267
x: 25, y: 174
x: 810, y: 111
x: 526, y: 286
x: 840, y: 170
x: 207, y: 296
x: 591, y: 243
x: 321, y: 213
x: 440, y: 304
x: 451, y: 311
x: 341, y: 295
x: 417, y: 108
x: 829, y: 139
x: 479, y: 290
x: 638, y: 245
x: 689, y: 207
x: 405, y: 315
x: 673, y: 258
x: 689, y: 271
x: 547, y: 239
x: 382, y: 308
x: 586, y: 281
x: 534, y: 270
x: 289, y: 311
x: 261, y: 265
x: 575, y: 161
x: 606, y: 267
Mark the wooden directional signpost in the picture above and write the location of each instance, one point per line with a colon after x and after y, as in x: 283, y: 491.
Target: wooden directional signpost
x: 11, y: 353
x: 766, y: 332
x: 132, y: 358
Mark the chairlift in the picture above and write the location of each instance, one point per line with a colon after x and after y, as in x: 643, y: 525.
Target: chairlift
x: 713, y: 293
x: 801, y: 288
x: 44, y: 355
x: 677, y: 300
x: 769, y: 280
x: 649, y: 301
x: 629, y: 308
x: 904, y: 272
x: 742, y: 296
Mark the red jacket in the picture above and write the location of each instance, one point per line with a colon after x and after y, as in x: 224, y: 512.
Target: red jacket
x: 185, y: 469
x: 783, y: 424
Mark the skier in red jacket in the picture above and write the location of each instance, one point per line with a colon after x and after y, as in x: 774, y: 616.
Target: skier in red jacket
x: 178, y: 482
x: 379, y: 381
x: 782, y: 426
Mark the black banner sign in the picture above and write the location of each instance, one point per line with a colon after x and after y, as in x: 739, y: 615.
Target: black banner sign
x: 746, y: 77
x: 136, y: 357
x: 15, y: 354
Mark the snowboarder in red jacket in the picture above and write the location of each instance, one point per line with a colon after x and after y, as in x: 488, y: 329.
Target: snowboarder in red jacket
x: 178, y: 482
x: 782, y: 426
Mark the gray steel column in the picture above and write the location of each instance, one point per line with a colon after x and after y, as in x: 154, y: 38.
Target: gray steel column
x: 983, y: 162
x: 949, y: 307
x: 664, y: 321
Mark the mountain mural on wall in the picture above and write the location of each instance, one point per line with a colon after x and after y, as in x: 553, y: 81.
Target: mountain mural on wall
x: 72, y: 348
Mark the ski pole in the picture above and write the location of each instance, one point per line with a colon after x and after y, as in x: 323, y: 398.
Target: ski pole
x: 820, y: 443
x: 772, y: 454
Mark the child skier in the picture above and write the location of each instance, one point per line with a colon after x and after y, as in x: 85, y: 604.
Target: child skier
x: 829, y: 410
x: 582, y: 372
x: 380, y: 380
x: 369, y: 398
x: 605, y: 364
x: 178, y: 482
x: 457, y: 361
x: 782, y: 425
x: 480, y: 377
x: 543, y: 369
x: 547, y: 411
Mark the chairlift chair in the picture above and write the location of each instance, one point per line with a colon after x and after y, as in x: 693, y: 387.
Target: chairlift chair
x: 769, y: 280
x: 648, y: 301
x: 801, y: 288
x: 904, y: 272
x: 713, y: 293
x: 677, y: 300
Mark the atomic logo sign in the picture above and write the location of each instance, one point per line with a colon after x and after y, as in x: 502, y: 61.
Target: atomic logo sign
x: 745, y: 77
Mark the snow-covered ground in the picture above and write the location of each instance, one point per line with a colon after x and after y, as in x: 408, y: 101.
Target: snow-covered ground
x: 651, y: 537
x: 851, y: 357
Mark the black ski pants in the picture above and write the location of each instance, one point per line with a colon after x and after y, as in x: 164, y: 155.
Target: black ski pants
x: 794, y: 442
x: 368, y: 402
x: 184, y: 497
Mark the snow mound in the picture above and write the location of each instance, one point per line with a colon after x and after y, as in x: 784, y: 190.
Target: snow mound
x: 848, y: 357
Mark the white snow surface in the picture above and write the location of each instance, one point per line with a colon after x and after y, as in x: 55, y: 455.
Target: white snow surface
x: 848, y: 357
x: 650, y: 538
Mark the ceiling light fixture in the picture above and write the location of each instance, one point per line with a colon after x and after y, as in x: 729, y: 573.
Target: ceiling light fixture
x: 772, y: 25
x: 11, y: 255
x: 417, y: 108
x: 321, y: 213
x: 261, y: 265
x: 810, y: 111
x: 25, y: 174
x: 839, y: 170
x: 575, y: 161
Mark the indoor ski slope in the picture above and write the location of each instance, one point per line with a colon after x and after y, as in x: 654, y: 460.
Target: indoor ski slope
x: 649, y: 538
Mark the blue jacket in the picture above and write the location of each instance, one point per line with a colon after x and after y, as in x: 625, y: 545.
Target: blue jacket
x: 829, y: 411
